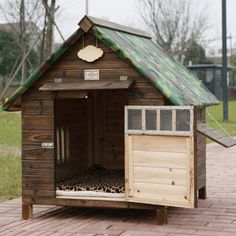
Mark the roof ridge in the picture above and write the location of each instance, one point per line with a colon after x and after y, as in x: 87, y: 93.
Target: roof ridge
x: 88, y: 22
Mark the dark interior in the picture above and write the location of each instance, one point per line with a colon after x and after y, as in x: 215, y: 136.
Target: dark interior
x: 89, y: 132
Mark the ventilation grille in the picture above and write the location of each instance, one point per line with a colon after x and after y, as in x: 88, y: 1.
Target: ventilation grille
x: 135, y: 119
x: 151, y: 120
x: 159, y: 120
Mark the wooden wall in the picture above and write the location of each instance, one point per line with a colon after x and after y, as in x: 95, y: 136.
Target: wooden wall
x: 72, y: 115
x: 201, y: 153
x: 114, y: 129
x: 37, y: 163
x: 160, y: 169
x: 111, y: 67
x: 38, y: 118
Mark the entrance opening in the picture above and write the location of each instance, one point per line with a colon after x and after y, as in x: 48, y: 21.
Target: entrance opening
x: 89, y: 134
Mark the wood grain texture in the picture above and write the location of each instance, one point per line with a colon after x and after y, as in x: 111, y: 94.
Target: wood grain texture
x: 27, y: 211
x: 37, y: 163
x: 87, y: 85
x: 201, y: 152
x: 40, y: 117
x: 162, y: 218
x: 160, y: 174
x: 72, y: 114
x: 90, y: 203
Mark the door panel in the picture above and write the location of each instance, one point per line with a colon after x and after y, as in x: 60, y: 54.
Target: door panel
x: 160, y: 168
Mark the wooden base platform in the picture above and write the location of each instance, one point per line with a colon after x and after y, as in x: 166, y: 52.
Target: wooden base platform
x: 27, y: 206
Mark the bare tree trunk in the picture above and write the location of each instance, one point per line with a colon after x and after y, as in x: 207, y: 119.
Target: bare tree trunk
x: 42, y: 51
x: 50, y: 11
x: 22, y: 38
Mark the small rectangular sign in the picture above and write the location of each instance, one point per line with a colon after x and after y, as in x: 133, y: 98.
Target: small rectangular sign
x: 57, y: 80
x: 91, y: 74
x: 123, y: 77
x: 47, y: 145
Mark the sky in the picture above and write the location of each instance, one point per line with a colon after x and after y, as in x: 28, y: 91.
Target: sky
x: 126, y: 12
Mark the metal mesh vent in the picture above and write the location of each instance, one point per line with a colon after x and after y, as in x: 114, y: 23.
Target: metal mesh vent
x: 134, y: 119
x: 159, y: 120
x: 151, y: 120
x: 182, y: 120
x: 166, y: 120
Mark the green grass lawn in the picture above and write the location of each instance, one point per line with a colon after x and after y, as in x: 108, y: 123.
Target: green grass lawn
x: 10, y: 177
x: 10, y: 164
x: 217, y: 112
x: 10, y: 128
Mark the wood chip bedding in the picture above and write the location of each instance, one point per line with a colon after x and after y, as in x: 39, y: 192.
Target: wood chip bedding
x: 97, y: 182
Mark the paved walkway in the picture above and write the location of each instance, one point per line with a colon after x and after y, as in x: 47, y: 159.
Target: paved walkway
x: 215, y: 216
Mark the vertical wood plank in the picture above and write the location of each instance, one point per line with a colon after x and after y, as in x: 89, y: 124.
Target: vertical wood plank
x: 202, y: 193
x: 36, y: 129
x: 174, y: 120
x: 161, y: 215
x: 194, y: 161
x: 102, y: 127
x: 131, y: 166
x: 127, y: 167
x: 158, y: 119
x: 27, y: 211
x: 143, y: 119
x: 90, y: 131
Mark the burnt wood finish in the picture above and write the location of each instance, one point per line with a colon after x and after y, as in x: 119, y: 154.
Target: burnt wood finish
x: 71, y: 70
x: 194, y: 183
x: 114, y: 129
x: 87, y: 23
x: 37, y: 163
x: 92, y: 203
x: 201, y: 156
x: 72, y: 115
x: 161, y: 215
x: 27, y: 211
x: 71, y: 94
x: 40, y: 117
x: 202, y: 194
x: 87, y: 85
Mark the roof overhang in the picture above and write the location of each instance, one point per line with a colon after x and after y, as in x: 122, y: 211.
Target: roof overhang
x: 87, y: 85
x: 88, y: 22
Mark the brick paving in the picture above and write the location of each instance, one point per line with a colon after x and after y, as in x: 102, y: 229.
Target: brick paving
x: 215, y: 216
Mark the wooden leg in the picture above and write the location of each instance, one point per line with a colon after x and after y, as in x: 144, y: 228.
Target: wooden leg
x: 162, y: 215
x: 202, y: 193
x: 27, y: 211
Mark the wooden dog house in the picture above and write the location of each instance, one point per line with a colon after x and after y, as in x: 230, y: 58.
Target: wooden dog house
x: 110, y: 120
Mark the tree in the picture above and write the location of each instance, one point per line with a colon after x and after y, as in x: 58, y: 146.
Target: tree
x: 174, y: 23
x: 27, y: 16
x: 9, y: 53
x: 30, y: 15
x: 40, y: 13
x: 195, y: 53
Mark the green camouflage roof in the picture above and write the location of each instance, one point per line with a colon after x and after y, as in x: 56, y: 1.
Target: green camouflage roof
x: 169, y: 76
x: 172, y: 78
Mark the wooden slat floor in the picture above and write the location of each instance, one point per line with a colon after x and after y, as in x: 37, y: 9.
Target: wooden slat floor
x: 215, y: 216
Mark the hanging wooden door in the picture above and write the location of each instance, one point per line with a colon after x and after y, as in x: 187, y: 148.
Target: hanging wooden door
x: 160, y: 162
